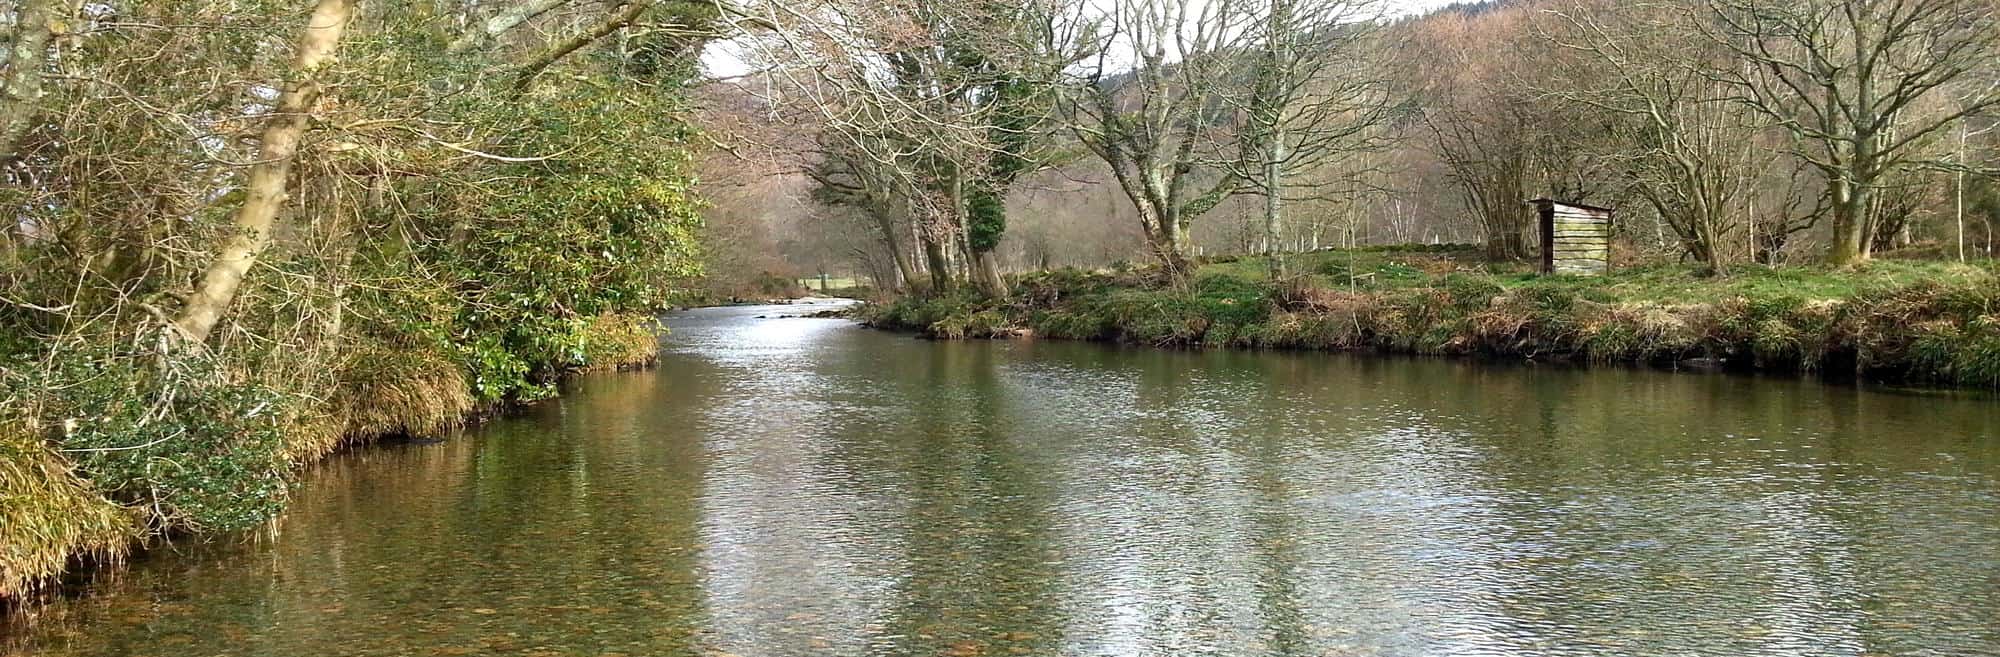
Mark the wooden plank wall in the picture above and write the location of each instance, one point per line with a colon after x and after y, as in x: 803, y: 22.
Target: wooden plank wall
x: 1581, y: 241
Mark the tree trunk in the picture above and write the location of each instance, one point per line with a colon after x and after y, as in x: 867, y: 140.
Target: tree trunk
x: 1505, y: 243
x: 1168, y: 245
x: 1270, y: 111
x: 28, y: 55
x: 1274, y: 199
x: 500, y: 23
x: 265, y: 189
x: 939, y: 263
x: 1503, y: 231
x: 987, y: 268
x: 906, y: 272
x: 1851, y: 232
x: 1958, y: 188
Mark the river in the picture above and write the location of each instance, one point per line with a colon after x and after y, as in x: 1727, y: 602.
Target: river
x: 788, y: 487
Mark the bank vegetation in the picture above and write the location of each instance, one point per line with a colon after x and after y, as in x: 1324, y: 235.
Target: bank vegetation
x: 1923, y: 323
x: 238, y: 236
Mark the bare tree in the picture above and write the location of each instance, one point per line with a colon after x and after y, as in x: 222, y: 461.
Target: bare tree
x: 1147, y: 99
x: 1848, y: 79
x: 1479, y: 121
x: 1315, y: 96
x: 1685, y: 148
x: 924, y: 92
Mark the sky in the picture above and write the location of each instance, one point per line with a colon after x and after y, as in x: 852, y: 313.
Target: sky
x: 724, y: 59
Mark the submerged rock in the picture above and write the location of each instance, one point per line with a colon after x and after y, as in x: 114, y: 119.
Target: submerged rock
x: 1704, y: 364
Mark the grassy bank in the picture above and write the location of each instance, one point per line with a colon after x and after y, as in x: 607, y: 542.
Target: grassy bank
x: 103, y: 451
x: 1924, y: 322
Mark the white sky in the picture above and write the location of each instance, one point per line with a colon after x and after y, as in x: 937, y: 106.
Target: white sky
x: 725, y: 59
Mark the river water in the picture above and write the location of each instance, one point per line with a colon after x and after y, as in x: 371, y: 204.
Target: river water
x: 787, y: 487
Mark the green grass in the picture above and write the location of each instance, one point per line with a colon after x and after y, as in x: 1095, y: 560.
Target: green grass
x: 1389, y: 268
x: 1935, y: 322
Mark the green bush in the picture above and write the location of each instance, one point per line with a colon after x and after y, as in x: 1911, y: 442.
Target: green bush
x: 175, y: 436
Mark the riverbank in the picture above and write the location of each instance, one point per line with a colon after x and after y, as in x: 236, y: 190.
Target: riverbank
x: 56, y: 519
x: 1920, y: 322
x: 1031, y: 499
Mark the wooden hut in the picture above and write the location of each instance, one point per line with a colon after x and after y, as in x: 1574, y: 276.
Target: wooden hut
x: 1576, y: 238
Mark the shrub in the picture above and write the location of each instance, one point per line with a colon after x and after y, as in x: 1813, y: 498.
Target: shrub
x: 177, y: 436
x: 621, y: 342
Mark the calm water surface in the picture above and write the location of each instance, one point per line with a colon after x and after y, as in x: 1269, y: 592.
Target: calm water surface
x: 785, y: 487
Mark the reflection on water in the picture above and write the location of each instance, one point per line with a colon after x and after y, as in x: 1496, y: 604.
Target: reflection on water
x: 803, y: 487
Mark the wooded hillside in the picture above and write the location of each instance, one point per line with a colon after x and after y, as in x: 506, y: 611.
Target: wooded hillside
x: 1724, y: 131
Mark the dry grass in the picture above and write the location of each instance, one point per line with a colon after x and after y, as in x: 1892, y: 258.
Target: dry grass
x: 622, y: 342
x: 48, y: 516
x: 388, y: 392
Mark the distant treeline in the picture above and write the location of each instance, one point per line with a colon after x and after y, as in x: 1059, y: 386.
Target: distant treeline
x: 1725, y: 132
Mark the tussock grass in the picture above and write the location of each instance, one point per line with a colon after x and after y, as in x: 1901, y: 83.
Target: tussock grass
x: 49, y: 516
x: 621, y: 342
x: 385, y: 390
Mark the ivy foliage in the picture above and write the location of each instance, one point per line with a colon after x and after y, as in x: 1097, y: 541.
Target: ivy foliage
x: 178, y: 437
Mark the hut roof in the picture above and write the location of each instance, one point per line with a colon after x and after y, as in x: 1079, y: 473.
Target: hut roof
x: 1549, y: 201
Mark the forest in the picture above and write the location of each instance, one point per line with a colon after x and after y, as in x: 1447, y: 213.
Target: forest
x: 1725, y: 133
x: 244, y: 234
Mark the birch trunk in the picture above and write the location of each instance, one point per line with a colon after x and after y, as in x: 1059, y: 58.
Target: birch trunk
x: 264, y: 191
x: 1274, y: 186
x: 27, y: 56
